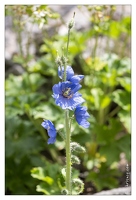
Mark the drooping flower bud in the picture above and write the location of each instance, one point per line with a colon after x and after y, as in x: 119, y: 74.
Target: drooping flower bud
x: 78, y: 185
x: 77, y: 147
x: 75, y: 160
x: 64, y: 192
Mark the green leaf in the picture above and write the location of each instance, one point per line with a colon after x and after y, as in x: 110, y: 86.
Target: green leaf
x: 122, y: 98
x: 114, y: 29
x: 105, y: 102
x: 125, y: 82
x: 46, y: 109
x: 97, y: 96
x: 118, y: 146
x: 63, y: 171
x: 125, y: 118
x: 24, y: 84
x: 104, y: 177
x: 124, y: 144
x: 126, y: 25
x: 111, y: 152
x: 39, y: 173
x: 106, y: 133
x: 41, y: 188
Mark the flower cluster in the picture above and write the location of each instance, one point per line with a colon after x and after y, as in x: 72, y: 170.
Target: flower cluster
x: 66, y: 96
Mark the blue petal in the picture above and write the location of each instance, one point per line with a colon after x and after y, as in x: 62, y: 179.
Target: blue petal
x: 81, y: 116
x: 85, y: 124
x: 55, y: 96
x: 52, y: 133
x: 72, y: 104
x: 78, y: 99
x: 76, y: 78
x: 51, y: 140
x: 82, y: 111
x: 82, y: 121
x: 75, y: 87
x: 57, y: 88
x: 67, y: 103
x: 44, y: 125
x: 64, y: 103
x: 69, y: 72
x: 60, y: 72
x: 64, y: 85
x: 49, y: 126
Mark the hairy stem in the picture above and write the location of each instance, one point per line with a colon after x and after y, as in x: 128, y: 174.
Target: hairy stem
x: 68, y: 153
x: 66, y: 55
x: 68, y: 43
x: 68, y: 135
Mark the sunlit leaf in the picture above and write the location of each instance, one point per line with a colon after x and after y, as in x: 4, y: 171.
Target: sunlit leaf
x: 42, y: 188
x: 125, y: 118
x: 122, y: 98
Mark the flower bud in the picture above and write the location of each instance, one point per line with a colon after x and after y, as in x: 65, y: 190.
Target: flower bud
x: 64, y: 60
x: 78, y: 185
x: 77, y: 147
x: 75, y: 159
x: 64, y: 191
x: 58, y: 61
x: 71, y: 22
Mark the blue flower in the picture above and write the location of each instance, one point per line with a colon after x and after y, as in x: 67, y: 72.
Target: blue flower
x: 70, y: 75
x: 81, y: 116
x: 66, y: 95
x: 52, y: 133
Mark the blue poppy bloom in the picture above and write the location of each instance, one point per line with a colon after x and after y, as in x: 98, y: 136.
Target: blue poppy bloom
x: 81, y: 116
x: 69, y: 74
x: 52, y: 133
x: 66, y: 95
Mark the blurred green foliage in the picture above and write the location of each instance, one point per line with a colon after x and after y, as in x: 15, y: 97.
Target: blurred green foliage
x: 32, y: 166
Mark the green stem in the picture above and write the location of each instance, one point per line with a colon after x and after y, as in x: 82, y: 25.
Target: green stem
x: 68, y: 153
x: 68, y: 135
x: 68, y: 42
x: 66, y: 55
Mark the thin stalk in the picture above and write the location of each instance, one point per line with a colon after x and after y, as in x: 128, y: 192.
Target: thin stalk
x: 66, y: 55
x: 68, y: 153
x: 68, y: 135
x: 68, y: 42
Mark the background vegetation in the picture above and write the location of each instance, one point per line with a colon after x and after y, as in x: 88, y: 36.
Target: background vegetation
x: 31, y: 165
